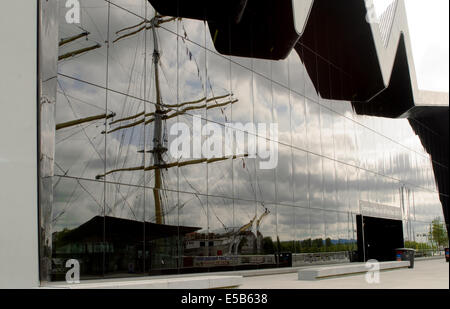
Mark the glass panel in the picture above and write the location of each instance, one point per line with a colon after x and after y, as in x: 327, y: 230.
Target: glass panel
x: 364, y: 185
x: 300, y: 178
x: 286, y: 228
x: 285, y: 191
x: 172, y: 50
x: 169, y: 176
x: 390, y: 150
x: 353, y: 189
x: 161, y: 239
x: 85, y: 58
x: 192, y: 78
x: 244, y: 179
x: 246, y: 213
x: 192, y: 101
x: 298, y: 122
x: 364, y: 144
x: 313, y: 127
x: 263, y: 100
x: 129, y: 52
x: 317, y: 230
x: 193, y: 179
x: 222, y: 231
x: 220, y: 178
x: 242, y: 89
x: 124, y: 230
x: 78, y: 227
x: 385, y: 192
x: 262, y: 67
x: 221, y: 100
x: 193, y: 31
x: 193, y: 232
x: 372, y: 189
x: 265, y: 182
x: 331, y: 231
x: 327, y: 120
x: 126, y: 151
x: 345, y: 240
x: 342, y: 140
x: 136, y: 7
x: 406, y: 232
x: 302, y: 231
x: 80, y: 140
x: 282, y: 113
x: 342, y: 187
x: 161, y: 89
x: 266, y: 229
x: 349, y: 140
x: 353, y: 232
x: 329, y: 184
x: 370, y: 150
x: 422, y: 241
x: 315, y: 181
x: 120, y: 213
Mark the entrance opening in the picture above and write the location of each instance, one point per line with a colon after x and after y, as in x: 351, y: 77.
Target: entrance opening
x: 378, y: 238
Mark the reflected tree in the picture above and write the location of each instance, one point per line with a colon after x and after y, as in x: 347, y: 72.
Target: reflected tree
x: 438, y: 234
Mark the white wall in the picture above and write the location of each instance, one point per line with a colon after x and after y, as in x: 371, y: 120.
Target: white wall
x: 18, y: 145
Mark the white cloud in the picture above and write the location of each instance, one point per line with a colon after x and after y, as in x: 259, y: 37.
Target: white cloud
x: 429, y: 31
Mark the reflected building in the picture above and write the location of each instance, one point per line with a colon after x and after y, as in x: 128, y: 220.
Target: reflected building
x: 358, y: 143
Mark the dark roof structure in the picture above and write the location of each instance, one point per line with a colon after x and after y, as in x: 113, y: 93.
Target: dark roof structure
x: 108, y: 228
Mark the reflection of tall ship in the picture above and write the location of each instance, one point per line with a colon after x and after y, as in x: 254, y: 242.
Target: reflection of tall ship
x: 233, y: 241
x: 199, y: 248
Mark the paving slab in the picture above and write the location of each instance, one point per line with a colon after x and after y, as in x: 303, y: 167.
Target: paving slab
x: 187, y: 283
x: 428, y: 274
x: 312, y: 274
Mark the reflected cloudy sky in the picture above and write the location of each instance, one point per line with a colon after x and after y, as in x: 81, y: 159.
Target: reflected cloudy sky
x: 329, y: 157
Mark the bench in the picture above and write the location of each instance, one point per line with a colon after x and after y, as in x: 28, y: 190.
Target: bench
x: 311, y: 274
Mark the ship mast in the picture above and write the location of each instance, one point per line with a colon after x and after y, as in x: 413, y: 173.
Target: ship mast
x: 158, y: 148
x: 162, y: 113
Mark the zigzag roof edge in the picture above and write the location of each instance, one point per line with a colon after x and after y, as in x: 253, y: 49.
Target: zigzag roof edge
x: 387, y: 53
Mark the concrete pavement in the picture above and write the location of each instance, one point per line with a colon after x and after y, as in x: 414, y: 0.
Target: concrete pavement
x: 427, y: 274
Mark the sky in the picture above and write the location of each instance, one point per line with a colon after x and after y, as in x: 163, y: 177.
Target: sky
x: 429, y: 31
x: 83, y: 154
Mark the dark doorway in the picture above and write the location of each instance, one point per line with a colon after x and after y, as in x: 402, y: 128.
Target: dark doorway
x: 378, y: 238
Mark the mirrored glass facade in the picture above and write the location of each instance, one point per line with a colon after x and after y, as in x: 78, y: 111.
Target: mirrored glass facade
x: 121, y: 214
